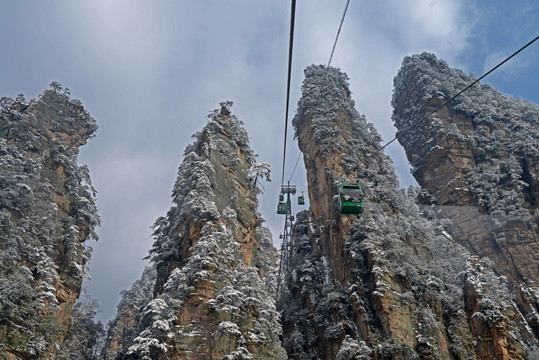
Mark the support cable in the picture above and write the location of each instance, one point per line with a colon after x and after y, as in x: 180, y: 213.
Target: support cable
x: 295, y: 166
x: 460, y: 92
x: 338, y: 33
x: 325, y: 76
x: 284, y: 262
x: 290, y: 50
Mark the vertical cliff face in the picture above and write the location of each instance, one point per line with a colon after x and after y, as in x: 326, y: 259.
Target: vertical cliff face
x: 47, y: 212
x: 479, y: 157
x: 389, y: 283
x: 338, y: 146
x: 212, y: 258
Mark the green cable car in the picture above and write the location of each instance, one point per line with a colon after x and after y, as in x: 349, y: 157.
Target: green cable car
x: 301, y: 199
x: 351, y: 199
x: 281, y: 208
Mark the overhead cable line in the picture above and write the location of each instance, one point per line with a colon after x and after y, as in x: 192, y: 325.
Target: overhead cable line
x: 290, y: 49
x: 295, y: 166
x: 459, y: 93
x: 284, y: 262
x: 325, y: 76
x: 338, y: 33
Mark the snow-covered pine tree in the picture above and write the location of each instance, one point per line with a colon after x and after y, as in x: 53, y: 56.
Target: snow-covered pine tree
x: 85, y: 335
x: 123, y: 328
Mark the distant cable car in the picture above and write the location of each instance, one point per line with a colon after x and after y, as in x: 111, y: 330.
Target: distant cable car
x: 351, y: 199
x: 280, y: 236
x: 301, y: 199
x: 281, y: 197
x: 281, y: 208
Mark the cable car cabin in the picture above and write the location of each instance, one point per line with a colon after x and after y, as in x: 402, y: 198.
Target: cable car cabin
x: 301, y: 200
x: 281, y: 197
x: 281, y: 208
x: 351, y: 199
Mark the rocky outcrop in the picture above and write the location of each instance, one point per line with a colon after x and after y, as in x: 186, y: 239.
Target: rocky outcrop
x: 346, y: 271
x: 47, y: 212
x: 122, y: 330
x: 390, y: 283
x: 211, y: 298
x: 479, y: 157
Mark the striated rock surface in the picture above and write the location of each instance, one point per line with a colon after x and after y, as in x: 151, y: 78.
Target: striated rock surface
x: 214, y: 262
x: 47, y: 212
x: 479, y: 157
x: 390, y: 283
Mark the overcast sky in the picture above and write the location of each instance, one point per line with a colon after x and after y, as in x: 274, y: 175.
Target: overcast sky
x: 150, y: 71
